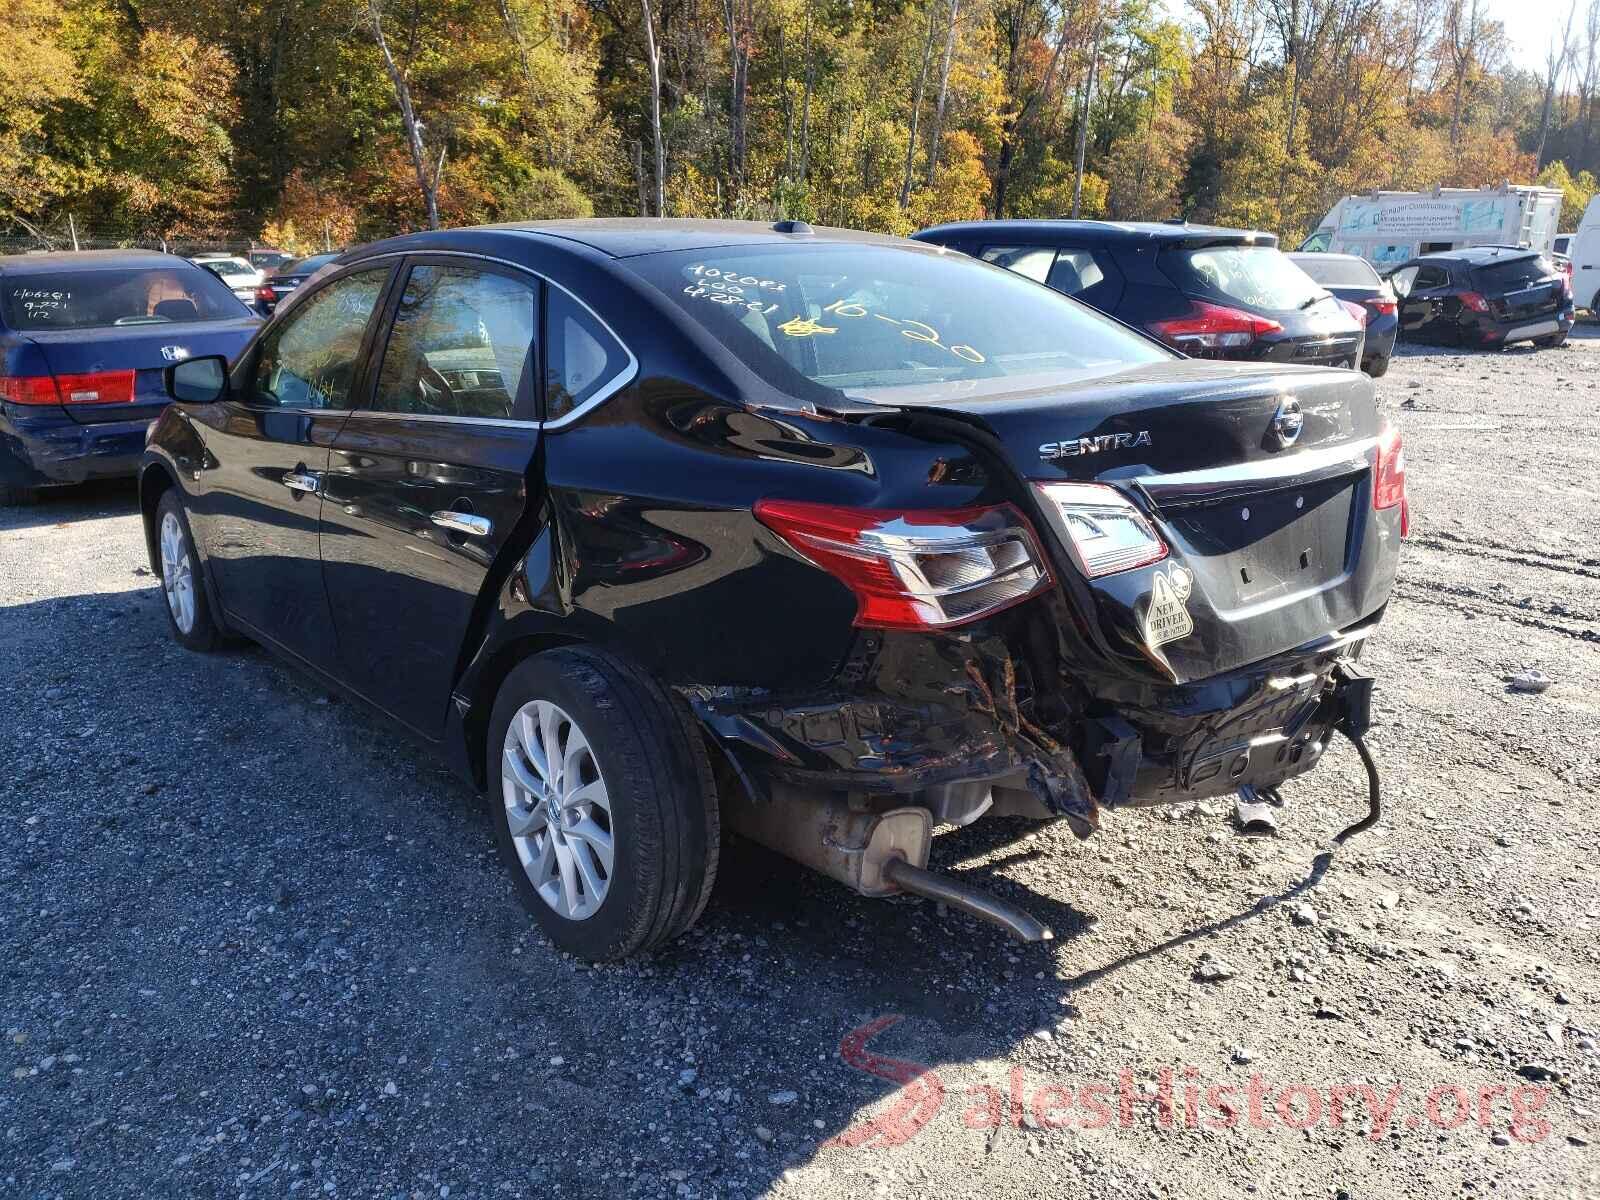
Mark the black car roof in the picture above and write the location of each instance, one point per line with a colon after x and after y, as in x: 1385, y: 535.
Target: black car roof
x: 624, y: 237
x: 1176, y: 233
x: 1478, y: 255
x: 91, y: 260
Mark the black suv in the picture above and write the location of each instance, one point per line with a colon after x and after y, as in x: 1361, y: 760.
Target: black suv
x: 1211, y: 293
x: 656, y: 528
x: 1488, y: 296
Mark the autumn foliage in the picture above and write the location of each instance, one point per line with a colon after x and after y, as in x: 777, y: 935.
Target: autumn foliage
x: 161, y: 118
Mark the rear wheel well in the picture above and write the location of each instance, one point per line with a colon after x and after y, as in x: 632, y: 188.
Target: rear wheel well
x: 153, y: 484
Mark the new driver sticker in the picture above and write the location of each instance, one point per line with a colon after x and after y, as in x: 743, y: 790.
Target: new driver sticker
x: 1167, y: 619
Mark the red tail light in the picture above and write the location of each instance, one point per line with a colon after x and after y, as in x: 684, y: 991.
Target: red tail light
x: 1355, y: 310
x: 1382, y: 307
x: 1213, y: 327
x: 29, y: 389
x: 1474, y: 301
x: 266, y: 295
x: 1389, y: 476
x: 916, y: 569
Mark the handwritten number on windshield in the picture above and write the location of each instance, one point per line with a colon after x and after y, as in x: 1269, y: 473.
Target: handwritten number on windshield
x: 917, y: 331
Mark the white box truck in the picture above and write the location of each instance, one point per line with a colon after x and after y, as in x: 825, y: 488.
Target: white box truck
x: 1584, y: 251
x: 1387, y: 228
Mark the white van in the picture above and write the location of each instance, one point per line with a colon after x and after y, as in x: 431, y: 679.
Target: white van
x: 1389, y: 228
x: 1584, y: 251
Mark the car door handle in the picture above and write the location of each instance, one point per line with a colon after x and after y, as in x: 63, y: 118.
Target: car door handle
x: 301, y: 481
x: 460, y: 522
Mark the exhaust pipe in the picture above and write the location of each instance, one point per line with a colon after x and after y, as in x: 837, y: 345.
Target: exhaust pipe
x: 975, y: 902
x: 873, y: 852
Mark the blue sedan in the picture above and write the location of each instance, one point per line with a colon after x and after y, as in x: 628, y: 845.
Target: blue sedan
x: 84, y: 338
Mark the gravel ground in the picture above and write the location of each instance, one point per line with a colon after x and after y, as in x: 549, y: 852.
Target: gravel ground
x: 255, y: 944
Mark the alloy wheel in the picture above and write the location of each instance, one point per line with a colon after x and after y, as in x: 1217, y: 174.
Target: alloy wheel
x: 177, y: 575
x: 557, y: 809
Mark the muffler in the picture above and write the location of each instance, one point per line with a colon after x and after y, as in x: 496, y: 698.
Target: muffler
x: 875, y: 853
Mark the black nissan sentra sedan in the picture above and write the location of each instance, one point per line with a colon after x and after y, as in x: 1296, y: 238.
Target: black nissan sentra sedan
x: 660, y: 528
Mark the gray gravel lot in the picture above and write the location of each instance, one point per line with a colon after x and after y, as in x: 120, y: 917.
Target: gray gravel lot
x: 254, y: 943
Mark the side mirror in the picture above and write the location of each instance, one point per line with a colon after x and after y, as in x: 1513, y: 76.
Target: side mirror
x: 198, y: 380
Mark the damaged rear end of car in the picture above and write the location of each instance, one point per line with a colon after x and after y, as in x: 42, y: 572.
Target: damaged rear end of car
x: 920, y: 542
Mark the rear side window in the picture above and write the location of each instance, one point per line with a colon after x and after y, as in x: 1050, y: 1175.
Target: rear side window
x: 1513, y: 276
x: 1334, y: 271
x: 1069, y: 271
x: 888, y: 324
x: 582, y: 359
x: 1255, y: 276
x: 122, y: 296
x: 461, y: 342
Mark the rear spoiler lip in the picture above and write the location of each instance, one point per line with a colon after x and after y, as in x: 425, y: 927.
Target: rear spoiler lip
x: 1187, y: 489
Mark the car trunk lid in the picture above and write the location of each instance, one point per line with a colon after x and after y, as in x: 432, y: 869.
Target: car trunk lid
x: 146, y: 350
x: 1257, y: 480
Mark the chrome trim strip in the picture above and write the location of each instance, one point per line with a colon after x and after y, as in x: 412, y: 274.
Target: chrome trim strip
x: 1220, y: 483
x: 442, y: 418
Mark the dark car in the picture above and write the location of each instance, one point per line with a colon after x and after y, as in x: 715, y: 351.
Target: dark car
x: 1352, y: 280
x: 280, y: 282
x: 1488, y: 296
x: 1211, y: 293
x: 656, y: 528
x: 84, y: 337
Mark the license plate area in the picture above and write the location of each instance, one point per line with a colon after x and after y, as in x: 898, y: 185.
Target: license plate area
x: 1271, y: 545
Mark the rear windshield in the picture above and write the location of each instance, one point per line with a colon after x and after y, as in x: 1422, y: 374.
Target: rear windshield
x: 116, y: 296
x: 1513, y: 275
x: 1257, y: 276
x: 1334, y: 271
x: 890, y: 324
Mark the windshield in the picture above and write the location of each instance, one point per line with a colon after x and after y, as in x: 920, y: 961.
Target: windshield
x: 1257, y: 276
x: 1514, y: 275
x: 1334, y: 270
x: 116, y: 296
x: 888, y: 323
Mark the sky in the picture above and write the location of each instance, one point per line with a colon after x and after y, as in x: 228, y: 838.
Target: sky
x: 1531, y: 25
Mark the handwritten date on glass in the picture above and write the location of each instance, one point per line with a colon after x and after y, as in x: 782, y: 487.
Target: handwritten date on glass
x: 917, y: 331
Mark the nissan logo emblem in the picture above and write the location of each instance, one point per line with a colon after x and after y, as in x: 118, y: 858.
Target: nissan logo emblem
x: 1288, y: 421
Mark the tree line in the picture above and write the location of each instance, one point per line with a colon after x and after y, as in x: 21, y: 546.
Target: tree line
x: 346, y: 120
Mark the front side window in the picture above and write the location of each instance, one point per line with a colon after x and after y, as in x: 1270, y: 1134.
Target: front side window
x: 116, y: 296
x: 889, y: 324
x: 1255, y: 276
x: 461, y: 343
x: 310, y: 360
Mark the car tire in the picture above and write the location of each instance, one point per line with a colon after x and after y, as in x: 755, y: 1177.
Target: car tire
x: 1551, y: 342
x: 1377, y: 368
x: 615, y: 850
x: 188, y: 606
